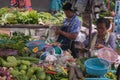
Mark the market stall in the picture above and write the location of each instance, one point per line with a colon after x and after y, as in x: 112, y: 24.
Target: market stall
x: 41, y: 59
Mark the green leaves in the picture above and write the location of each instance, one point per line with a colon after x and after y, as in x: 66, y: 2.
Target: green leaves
x: 28, y: 17
x: 17, y: 41
x: 14, y: 16
x: 3, y: 11
x: 8, y: 18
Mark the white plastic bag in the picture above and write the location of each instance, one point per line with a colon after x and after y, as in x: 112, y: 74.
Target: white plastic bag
x: 81, y: 37
x: 107, y: 54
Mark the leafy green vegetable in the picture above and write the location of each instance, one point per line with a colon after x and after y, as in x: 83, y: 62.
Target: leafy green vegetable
x: 8, y: 64
x: 11, y: 59
x: 17, y: 41
x: 28, y: 17
x: 3, y: 11
x: 8, y: 18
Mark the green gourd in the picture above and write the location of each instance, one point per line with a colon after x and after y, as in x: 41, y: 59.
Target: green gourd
x: 40, y: 75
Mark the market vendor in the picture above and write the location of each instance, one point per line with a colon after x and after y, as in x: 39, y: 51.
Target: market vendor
x: 21, y: 4
x: 69, y: 31
x: 102, y: 38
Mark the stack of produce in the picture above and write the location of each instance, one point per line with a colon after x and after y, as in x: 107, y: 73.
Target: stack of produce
x: 21, y: 69
x: 14, y: 16
x: 15, y: 42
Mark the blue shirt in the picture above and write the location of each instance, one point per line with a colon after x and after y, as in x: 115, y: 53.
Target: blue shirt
x: 110, y: 43
x: 71, y: 25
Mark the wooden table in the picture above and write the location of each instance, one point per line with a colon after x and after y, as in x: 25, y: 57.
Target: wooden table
x: 6, y: 28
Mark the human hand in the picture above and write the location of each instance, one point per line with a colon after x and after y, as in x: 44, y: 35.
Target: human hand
x: 57, y: 31
x: 112, y: 13
x: 98, y: 46
x: 56, y: 44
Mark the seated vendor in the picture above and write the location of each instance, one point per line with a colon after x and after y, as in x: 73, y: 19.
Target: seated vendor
x: 102, y: 38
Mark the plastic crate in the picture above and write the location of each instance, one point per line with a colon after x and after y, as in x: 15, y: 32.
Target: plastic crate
x: 97, y: 66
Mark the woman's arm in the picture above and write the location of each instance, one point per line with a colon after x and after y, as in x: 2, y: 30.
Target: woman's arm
x: 71, y: 36
x: 112, y: 40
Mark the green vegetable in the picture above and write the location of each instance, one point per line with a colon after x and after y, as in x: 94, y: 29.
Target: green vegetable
x: 11, y: 59
x: 16, y: 42
x: 33, y: 77
x: 23, y: 67
x: 31, y: 71
x: 25, y: 62
x: 31, y: 59
x: 40, y: 75
x: 8, y: 64
x: 64, y: 79
x: 18, y: 75
x: 22, y: 77
x: 15, y: 73
x: 3, y: 11
x: 48, y: 77
x: 19, y: 62
x: 8, y: 18
x: 28, y: 17
x: 1, y: 61
x: 23, y: 72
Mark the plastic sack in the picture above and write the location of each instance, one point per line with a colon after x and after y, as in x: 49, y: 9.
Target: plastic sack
x: 43, y: 55
x: 55, y: 50
x: 107, y: 54
x: 50, y: 58
x: 81, y: 37
x: 37, y: 43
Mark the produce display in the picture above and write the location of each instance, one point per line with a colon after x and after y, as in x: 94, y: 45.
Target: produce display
x: 15, y: 16
x: 23, y: 66
x: 19, y: 62
x: 15, y: 42
x: 22, y: 69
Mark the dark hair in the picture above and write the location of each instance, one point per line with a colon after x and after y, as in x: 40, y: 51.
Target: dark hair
x: 67, y: 6
x: 103, y: 20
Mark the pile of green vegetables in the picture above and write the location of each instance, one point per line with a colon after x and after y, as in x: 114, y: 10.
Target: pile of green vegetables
x: 22, y: 69
x: 14, y: 16
x: 25, y: 68
x: 17, y: 41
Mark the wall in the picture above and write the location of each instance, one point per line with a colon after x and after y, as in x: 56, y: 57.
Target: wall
x: 40, y: 5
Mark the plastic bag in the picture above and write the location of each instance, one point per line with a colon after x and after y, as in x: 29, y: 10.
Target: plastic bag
x: 107, y: 54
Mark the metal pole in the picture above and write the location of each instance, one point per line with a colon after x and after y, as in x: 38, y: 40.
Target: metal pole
x: 90, y: 24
